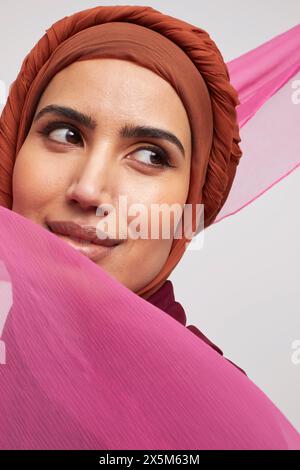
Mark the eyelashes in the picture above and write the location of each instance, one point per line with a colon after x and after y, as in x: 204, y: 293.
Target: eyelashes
x: 162, y: 156
x: 157, y: 153
x: 53, y: 126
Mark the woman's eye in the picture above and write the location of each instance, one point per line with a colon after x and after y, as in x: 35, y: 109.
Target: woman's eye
x: 152, y: 156
x: 62, y: 133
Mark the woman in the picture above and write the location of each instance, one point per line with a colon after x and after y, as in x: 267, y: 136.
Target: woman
x: 91, y: 344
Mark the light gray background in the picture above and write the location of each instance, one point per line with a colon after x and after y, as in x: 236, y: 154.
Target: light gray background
x: 242, y: 288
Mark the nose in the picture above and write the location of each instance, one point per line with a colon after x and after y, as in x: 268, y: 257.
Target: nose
x: 94, y: 182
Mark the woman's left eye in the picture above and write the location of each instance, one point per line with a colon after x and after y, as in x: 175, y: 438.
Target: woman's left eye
x: 154, y: 155
x: 60, y: 132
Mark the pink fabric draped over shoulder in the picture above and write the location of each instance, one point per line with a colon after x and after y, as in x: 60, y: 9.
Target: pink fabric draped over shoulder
x: 88, y: 364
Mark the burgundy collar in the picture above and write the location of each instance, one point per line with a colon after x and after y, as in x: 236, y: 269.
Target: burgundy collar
x: 164, y: 299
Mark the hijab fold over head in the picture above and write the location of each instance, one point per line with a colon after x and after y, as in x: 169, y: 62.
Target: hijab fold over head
x: 182, y: 54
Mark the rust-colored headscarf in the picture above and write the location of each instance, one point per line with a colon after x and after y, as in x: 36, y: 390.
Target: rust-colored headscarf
x: 182, y: 54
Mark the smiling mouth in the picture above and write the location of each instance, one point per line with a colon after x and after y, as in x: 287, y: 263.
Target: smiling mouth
x: 80, y: 232
x: 94, y: 252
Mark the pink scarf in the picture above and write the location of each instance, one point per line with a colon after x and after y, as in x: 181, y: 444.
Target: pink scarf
x: 88, y: 364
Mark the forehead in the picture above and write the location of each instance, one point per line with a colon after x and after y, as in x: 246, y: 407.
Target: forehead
x: 113, y: 90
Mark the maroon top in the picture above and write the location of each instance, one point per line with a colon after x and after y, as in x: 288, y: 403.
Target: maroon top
x: 164, y: 299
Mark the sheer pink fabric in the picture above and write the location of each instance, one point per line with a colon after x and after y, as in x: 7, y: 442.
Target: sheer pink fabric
x: 267, y: 79
x: 88, y: 364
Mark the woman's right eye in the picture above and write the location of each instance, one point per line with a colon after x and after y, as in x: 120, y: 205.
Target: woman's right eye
x: 61, y: 132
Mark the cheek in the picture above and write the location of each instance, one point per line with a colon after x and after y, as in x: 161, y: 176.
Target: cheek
x: 154, y: 251
x: 33, y: 184
x: 162, y: 201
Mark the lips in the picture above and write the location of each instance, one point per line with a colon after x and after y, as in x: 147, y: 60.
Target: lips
x: 83, y: 233
x: 84, y: 239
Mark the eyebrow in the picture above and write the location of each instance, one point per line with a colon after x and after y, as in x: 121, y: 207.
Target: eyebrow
x: 127, y: 131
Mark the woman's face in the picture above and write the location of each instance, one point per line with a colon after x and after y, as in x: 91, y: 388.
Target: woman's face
x: 69, y: 166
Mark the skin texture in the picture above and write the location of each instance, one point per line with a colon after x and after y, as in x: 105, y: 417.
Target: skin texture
x: 69, y: 173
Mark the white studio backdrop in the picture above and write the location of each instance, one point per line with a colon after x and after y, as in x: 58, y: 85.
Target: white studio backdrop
x: 242, y: 288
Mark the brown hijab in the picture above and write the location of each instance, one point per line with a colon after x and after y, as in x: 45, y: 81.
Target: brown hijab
x: 180, y: 53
